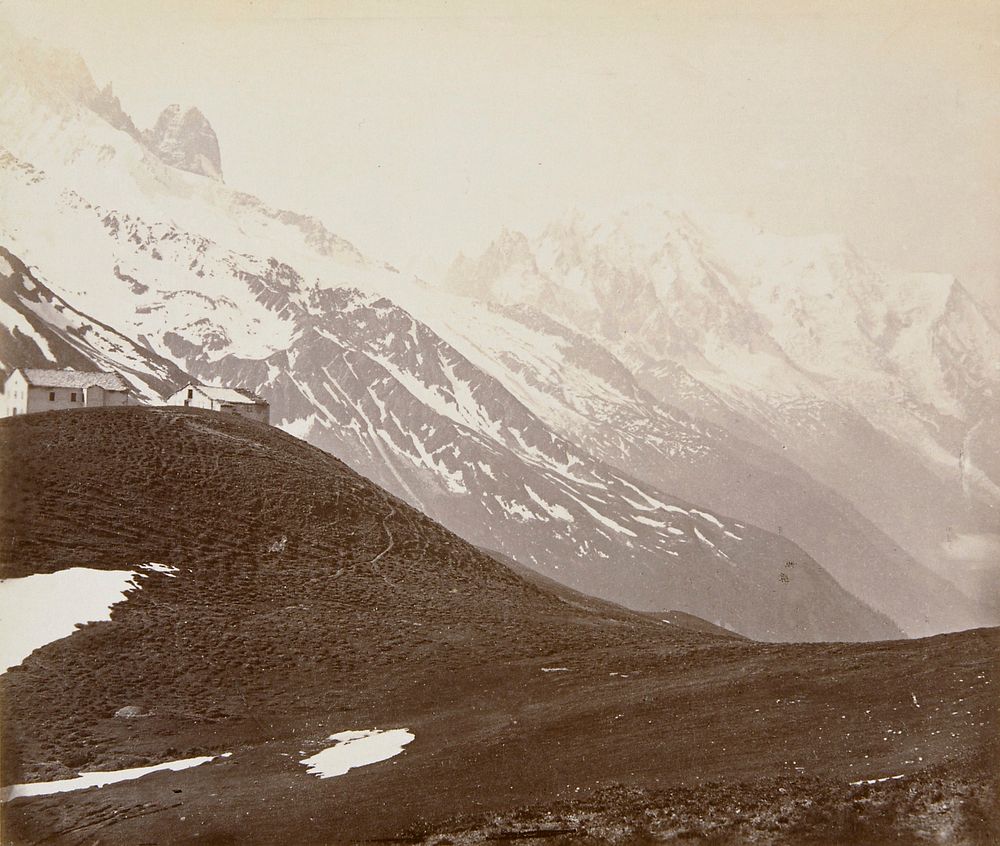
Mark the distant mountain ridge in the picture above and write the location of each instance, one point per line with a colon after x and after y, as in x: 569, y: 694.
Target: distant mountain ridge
x: 362, y: 361
x: 880, y: 384
x: 588, y: 395
x: 181, y: 138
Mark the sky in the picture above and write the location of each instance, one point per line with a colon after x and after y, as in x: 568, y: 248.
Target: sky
x: 419, y: 129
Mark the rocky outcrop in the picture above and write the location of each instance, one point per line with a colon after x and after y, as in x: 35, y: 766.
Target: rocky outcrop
x: 185, y: 140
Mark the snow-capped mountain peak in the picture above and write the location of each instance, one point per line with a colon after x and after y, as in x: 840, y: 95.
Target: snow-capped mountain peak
x: 61, y: 80
x: 572, y: 434
x: 798, y: 343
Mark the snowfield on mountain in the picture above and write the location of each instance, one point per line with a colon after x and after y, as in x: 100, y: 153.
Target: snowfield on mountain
x: 388, y: 454
x: 880, y: 384
x: 582, y: 445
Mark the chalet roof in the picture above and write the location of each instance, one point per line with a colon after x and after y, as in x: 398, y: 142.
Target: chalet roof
x: 238, y: 395
x: 40, y: 378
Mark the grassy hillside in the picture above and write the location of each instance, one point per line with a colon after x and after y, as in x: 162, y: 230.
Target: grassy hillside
x: 308, y: 601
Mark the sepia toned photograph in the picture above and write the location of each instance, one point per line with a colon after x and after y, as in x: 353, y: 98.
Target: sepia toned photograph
x: 455, y: 422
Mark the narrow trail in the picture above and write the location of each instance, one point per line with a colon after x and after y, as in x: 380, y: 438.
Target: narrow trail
x: 414, y: 499
x: 374, y: 562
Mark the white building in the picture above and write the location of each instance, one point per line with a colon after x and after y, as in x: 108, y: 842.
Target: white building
x: 31, y: 389
x: 231, y: 400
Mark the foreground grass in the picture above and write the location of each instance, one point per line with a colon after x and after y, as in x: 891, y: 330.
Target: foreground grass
x: 308, y: 601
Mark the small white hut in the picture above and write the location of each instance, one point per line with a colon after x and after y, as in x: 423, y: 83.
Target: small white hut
x: 231, y: 400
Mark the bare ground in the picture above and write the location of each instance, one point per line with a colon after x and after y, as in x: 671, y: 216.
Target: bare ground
x: 309, y: 601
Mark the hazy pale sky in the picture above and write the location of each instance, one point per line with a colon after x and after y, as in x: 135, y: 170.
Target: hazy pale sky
x: 420, y: 128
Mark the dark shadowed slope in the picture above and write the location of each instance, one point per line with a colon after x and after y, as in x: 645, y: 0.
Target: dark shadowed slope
x: 307, y: 601
x: 689, y: 622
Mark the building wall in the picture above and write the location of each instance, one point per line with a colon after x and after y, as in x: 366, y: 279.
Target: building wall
x: 15, y: 397
x: 96, y: 396
x: 197, y: 399
x: 54, y: 399
x: 21, y: 398
x: 252, y: 411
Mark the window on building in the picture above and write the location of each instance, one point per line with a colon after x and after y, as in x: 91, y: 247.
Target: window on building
x: 52, y: 396
x: 72, y: 396
x: 190, y: 393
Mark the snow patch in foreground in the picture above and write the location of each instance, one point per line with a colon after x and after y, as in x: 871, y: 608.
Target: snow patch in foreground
x: 45, y: 607
x: 356, y: 749
x: 100, y: 779
x: 876, y: 780
x: 165, y: 569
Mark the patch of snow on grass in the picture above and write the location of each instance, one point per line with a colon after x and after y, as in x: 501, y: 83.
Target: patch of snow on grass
x: 165, y: 569
x: 39, y: 609
x: 516, y: 509
x: 601, y: 518
x: 100, y: 779
x: 356, y: 749
x: 654, y: 504
x: 876, y: 780
x: 703, y: 539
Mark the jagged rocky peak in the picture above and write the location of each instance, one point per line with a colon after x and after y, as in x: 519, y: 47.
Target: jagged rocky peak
x: 58, y: 75
x: 186, y: 140
x: 511, y: 250
x: 109, y: 107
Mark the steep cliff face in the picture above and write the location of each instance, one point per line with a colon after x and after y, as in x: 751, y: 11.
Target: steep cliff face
x: 37, y: 79
x: 186, y: 140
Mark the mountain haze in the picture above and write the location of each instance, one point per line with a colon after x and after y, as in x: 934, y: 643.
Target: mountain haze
x: 581, y: 390
x: 882, y: 385
x: 586, y: 443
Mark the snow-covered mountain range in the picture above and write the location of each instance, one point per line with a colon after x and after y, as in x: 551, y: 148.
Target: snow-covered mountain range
x: 562, y: 400
x: 883, y: 385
